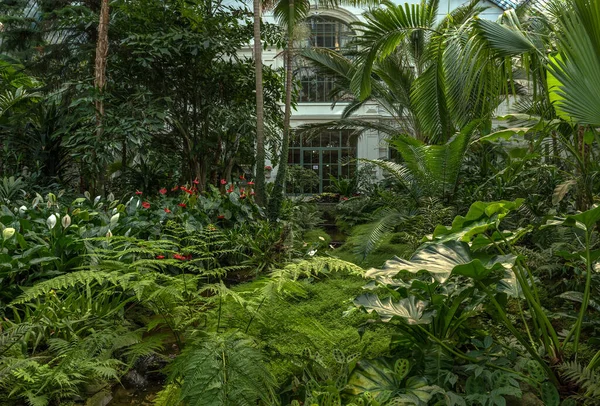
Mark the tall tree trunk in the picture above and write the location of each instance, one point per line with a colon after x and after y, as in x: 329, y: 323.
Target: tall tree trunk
x: 99, y: 84
x: 279, y: 189
x: 260, y: 114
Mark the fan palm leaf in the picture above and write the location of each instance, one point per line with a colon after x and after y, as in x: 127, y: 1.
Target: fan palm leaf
x: 578, y: 68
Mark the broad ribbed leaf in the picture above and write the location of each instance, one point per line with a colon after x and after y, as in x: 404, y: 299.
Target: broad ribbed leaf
x: 442, y: 260
x: 411, y: 310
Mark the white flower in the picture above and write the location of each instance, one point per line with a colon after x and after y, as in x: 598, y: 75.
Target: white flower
x: 321, y: 238
x: 22, y: 210
x: 312, y: 253
x: 110, y: 197
x: 97, y: 199
x: 109, y: 234
x: 7, y: 233
x: 114, y: 220
x: 66, y: 221
x: 51, y: 222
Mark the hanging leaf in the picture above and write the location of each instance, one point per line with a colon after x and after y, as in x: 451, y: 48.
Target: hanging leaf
x: 561, y: 190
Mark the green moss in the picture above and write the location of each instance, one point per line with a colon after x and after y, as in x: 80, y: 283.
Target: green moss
x: 286, y: 327
x: 391, y: 245
x: 317, y: 238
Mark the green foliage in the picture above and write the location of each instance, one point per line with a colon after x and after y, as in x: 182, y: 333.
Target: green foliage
x: 587, y: 379
x: 300, y: 180
x: 11, y: 187
x: 222, y: 370
x: 310, y: 317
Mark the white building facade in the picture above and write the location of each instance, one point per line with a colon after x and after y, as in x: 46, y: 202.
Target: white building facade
x: 328, y: 154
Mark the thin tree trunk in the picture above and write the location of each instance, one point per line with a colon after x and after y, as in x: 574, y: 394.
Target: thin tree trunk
x: 260, y: 114
x: 279, y: 189
x: 99, y: 84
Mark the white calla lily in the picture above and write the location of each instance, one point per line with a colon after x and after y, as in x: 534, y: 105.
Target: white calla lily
x: 51, y: 221
x: 66, y: 221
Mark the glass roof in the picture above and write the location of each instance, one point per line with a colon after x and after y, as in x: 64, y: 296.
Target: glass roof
x: 539, y: 5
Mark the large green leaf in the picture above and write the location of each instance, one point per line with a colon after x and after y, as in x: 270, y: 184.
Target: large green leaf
x: 409, y: 309
x: 442, y: 260
x: 577, y: 70
x: 584, y: 221
x: 504, y: 40
x: 381, y: 379
x: 480, y: 217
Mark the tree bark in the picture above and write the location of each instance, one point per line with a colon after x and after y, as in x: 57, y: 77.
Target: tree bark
x: 99, y: 84
x: 260, y: 127
x: 279, y: 189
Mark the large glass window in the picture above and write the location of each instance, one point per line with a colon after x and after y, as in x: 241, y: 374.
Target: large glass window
x: 324, y: 32
x: 330, y: 153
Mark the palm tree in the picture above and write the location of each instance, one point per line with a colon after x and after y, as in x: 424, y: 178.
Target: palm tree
x: 442, y: 98
x: 260, y: 127
x: 567, y: 68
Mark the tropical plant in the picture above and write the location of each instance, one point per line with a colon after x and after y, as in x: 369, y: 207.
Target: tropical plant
x: 222, y: 369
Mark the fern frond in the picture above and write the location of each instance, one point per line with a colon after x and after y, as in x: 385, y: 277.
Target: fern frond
x: 587, y: 379
x: 220, y: 370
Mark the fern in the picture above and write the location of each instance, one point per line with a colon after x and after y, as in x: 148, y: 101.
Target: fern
x: 587, y: 379
x: 168, y: 396
x: 222, y: 370
x: 388, y: 218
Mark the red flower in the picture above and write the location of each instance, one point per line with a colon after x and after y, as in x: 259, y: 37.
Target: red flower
x: 344, y: 198
x: 195, y: 181
x: 220, y: 216
x: 174, y: 188
x: 182, y: 257
x: 251, y: 183
x: 137, y: 192
x: 160, y: 257
x: 252, y: 193
x: 230, y: 189
x: 189, y: 192
x: 146, y: 205
x: 242, y: 190
x: 181, y: 205
x: 167, y: 210
x: 163, y: 191
x: 268, y: 168
x: 242, y: 177
x: 242, y: 196
x: 223, y: 182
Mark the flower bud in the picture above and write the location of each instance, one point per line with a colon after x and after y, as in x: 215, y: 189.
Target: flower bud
x: 109, y: 234
x: 7, y: 233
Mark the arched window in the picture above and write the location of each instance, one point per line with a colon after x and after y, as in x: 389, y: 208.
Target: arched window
x: 324, y: 32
